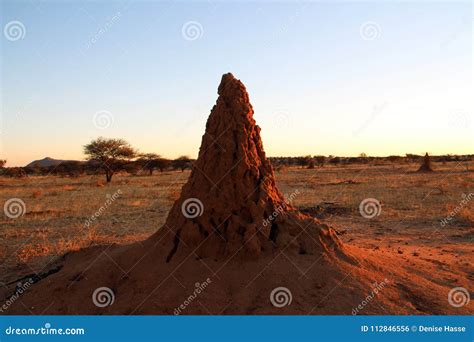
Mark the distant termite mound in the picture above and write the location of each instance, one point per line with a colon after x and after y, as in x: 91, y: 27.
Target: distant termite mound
x: 426, y: 164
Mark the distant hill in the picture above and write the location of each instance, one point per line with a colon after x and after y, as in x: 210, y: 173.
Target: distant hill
x: 46, y: 162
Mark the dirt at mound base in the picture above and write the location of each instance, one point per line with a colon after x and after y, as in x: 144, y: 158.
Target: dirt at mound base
x: 231, y: 244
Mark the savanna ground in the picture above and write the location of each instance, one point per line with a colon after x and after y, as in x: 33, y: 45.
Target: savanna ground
x: 413, y: 205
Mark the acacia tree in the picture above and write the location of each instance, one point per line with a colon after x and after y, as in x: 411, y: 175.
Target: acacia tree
x: 162, y: 164
x: 153, y: 161
x: 320, y: 160
x: 2, y: 163
x: 182, y: 163
x: 110, y: 153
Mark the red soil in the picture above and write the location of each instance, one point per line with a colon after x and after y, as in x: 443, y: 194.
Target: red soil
x: 232, y: 229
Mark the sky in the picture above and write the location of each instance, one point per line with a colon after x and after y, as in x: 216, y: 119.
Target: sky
x: 324, y: 78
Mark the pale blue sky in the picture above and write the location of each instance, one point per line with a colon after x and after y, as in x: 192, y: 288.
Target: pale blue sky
x: 317, y: 83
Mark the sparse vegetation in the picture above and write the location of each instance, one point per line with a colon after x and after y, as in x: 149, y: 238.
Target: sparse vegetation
x: 63, y: 202
x: 111, y: 154
x: 153, y: 161
x: 182, y: 163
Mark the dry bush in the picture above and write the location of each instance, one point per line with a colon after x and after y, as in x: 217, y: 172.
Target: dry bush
x: 463, y: 214
x: 63, y: 245
x: 36, y: 194
x: 467, y: 214
x: 174, y: 194
x: 136, y: 203
x: 419, y: 183
x: 32, y: 250
x: 91, y: 235
x: 50, y: 245
x: 439, y: 190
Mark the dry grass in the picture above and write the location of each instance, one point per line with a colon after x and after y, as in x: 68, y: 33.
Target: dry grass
x: 413, y: 205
